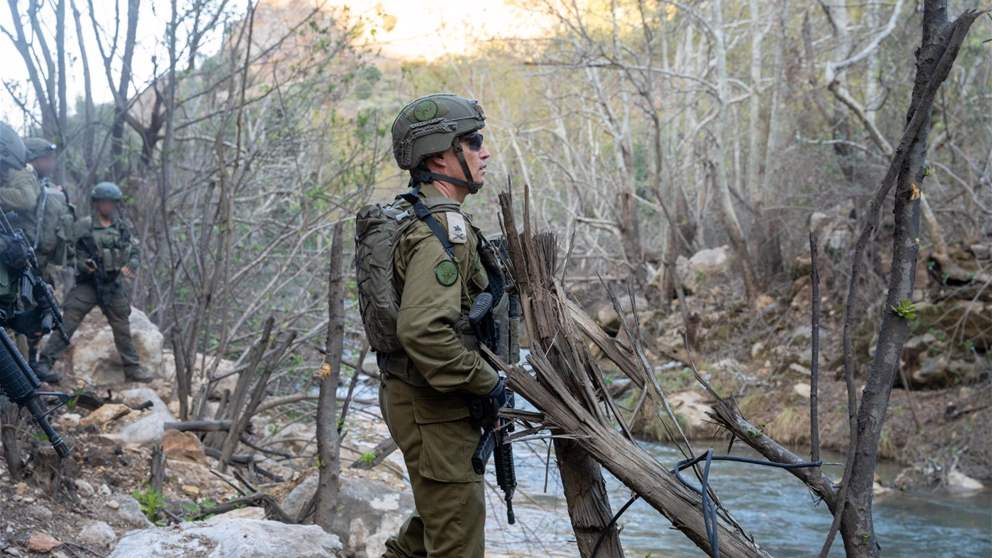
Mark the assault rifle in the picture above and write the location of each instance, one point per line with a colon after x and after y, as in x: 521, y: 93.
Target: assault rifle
x: 17, y: 380
x: 31, y: 276
x: 496, y: 430
x: 104, y: 283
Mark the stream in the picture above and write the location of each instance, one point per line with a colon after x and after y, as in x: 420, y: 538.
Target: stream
x: 772, y: 504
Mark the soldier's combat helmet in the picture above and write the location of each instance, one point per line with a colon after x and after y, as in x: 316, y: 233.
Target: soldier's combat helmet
x: 106, y: 191
x: 430, y: 125
x: 38, y: 148
x: 12, y: 152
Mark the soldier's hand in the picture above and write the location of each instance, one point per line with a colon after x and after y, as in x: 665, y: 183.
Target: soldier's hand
x: 90, y: 265
x: 126, y: 272
x: 494, y: 401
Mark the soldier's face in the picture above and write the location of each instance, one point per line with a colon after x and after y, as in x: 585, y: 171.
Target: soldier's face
x: 44, y: 165
x: 476, y: 155
x: 104, y: 207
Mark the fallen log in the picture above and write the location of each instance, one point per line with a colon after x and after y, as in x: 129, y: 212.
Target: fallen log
x: 198, y: 426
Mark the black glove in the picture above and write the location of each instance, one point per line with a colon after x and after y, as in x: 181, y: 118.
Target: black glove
x: 498, y: 396
x: 493, y: 402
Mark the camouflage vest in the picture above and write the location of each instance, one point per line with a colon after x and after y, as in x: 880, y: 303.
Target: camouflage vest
x: 9, y: 280
x: 378, y: 230
x: 110, y: 246
x: 53, y: 228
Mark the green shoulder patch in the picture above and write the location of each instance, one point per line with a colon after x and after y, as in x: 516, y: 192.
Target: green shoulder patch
x: 446, y: 273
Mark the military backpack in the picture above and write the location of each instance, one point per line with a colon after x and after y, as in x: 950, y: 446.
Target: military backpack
x: 378, y: 230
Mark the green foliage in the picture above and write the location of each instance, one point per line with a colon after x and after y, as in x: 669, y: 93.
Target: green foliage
x: 367, y: 457
x: 150, y: 500
x: 906, y: 309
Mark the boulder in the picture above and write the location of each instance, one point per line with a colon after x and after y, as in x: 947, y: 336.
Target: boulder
x: 960, y: 483
x: 42, y: 542
x: 802, y: 390
x: 230, y: 538
x: 94, y: 358
x: 149, y: 428
x: 943, y: 371
x: 181, y: 473
x: 128, y: 511
x: 369, y: 511
x: 692, y: 409
x: 250, y: 512
x: 98, y: 534
x: 971, y: 320
x: 183, y: 445
x: 705, y: 269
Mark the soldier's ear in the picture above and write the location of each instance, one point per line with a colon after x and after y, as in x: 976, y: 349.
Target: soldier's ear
x: 438, y: 161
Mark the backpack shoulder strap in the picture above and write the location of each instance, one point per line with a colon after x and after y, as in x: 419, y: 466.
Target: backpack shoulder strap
x: 427, y: 216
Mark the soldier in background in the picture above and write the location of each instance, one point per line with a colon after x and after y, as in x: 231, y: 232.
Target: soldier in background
x: 51, y: 237
x: 106, y: 254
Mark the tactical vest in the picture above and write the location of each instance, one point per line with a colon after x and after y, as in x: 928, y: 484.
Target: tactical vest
x: 109, y: 247
x: 10, y: 284
x: 378, y: 230
x: 53, y: 228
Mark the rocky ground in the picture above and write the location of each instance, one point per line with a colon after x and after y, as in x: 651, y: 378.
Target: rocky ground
x: 99, y: 503
x: 761, y: 355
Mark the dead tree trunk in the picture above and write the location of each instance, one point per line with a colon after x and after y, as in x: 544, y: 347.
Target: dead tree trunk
x: 939, y: 48
x: 328, y: 446
x: 851, y: 503
x: 585, y: 490
x: 569, y: 389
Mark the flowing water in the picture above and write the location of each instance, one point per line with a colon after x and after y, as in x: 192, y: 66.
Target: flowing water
x: 772, y: 504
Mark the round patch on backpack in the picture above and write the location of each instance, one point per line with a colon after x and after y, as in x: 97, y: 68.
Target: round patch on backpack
x: 425, y: 110
x: 446, y: 273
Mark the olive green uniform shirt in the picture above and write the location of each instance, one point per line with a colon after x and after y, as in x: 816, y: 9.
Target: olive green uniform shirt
x: 20, y: 190
x: 432, y: 324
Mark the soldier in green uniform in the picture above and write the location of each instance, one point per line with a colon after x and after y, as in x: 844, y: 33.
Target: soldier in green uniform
x: 16, y: 184
x: 55, y: 216
x: 105, y: 252
x: 49, y: 227
x: 439, y: 265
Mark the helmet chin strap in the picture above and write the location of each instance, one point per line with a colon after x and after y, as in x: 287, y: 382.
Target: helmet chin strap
x: 422, y: 177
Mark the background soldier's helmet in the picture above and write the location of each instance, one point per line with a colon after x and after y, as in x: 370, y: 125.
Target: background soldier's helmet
x: 106, y: 191
x: 12, y: 150
x: 430, y: 124
x: 38, y: 148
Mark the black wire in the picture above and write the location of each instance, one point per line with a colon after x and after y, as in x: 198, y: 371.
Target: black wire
x: 710, y: 520
x: 609, y: 526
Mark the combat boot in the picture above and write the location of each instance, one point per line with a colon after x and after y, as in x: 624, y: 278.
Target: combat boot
x: 44, y: 372
x: 138, y: 374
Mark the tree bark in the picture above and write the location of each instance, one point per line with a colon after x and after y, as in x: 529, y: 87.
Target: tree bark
x: 328, y: 440
x: 727, y: 213
x: 935, y: 57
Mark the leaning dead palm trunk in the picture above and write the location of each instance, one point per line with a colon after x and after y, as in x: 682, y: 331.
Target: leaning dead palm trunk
x: 569, y: 390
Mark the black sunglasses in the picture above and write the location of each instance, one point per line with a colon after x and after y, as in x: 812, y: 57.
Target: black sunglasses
x: 473, y: 141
